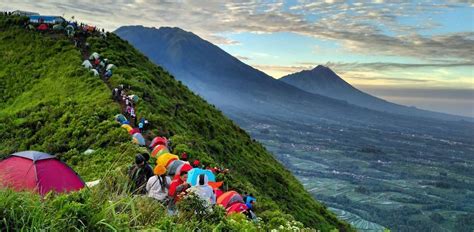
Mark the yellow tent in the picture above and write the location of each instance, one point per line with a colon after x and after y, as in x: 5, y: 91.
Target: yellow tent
x: 166, y: 159
x: 127, y: 127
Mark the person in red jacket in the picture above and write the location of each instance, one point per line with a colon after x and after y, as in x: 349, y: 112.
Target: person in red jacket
x: 178, y: 186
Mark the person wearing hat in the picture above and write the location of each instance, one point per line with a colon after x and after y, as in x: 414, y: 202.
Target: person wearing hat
x: 158, y: 185
x: 139, y: 173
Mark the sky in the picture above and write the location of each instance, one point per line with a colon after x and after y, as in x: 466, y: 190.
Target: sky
x: 417, y: 53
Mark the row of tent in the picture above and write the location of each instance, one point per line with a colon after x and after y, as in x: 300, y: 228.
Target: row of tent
x: 95, y: 56
x: 232, y: 201
x: 137, y: 137
x: 42, y: 173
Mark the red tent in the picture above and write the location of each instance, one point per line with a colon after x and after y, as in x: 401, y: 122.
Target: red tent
x: 236, y: 208
x: 38, y: 171
x: 134, y: 131
x: 158, y: 141
x: 43, y: 27
x: 229, y: 198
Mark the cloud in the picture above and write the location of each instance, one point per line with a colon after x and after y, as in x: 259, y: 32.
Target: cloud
x: 244, y: 58
x: 359, y: 27
x: 392, y: 79
x: 277, y: 71
x: 383, y: 66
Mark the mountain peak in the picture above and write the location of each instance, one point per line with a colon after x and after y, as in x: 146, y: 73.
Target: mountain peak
x: 325, y: 71
x: 320, y: 67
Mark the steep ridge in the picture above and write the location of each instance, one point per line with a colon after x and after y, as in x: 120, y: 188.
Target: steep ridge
x: 322, y: 80
x: 50, y: 103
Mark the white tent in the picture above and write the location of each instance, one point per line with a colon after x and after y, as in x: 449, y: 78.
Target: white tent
x: 95, y: 72
x: 94, y: 56
x: 87, y: 64
x: 110, y: 66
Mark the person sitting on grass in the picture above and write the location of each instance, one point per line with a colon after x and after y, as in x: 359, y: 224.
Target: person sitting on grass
x: 204, y: 191
x: 158, y: 185
x: 139, y: 173
x: 177, y: 188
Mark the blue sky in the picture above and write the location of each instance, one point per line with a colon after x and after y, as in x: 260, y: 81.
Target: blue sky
x: 375, y: 45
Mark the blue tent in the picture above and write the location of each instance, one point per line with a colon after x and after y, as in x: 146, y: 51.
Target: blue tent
x: 138, y: 139
x: 121, y: 118
x: 195, y: 172
x: 46, y: 19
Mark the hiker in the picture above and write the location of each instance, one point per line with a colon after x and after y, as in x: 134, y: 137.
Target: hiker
x: 169, y: 145
x: 249, y: 212
x: 119, y: 93
x: 115, y: 93
x: 128, y: 110
x: 127, y: 101
x: 108, y: 73
x: 140, y: 127
x: 204, y: 191
x: 145, y: 124
x: 139, y: 173
x: 184, y: 156
x: 244, y: 196
x: 158, y: 185
x: 132, y: 115
x: 177, y: 187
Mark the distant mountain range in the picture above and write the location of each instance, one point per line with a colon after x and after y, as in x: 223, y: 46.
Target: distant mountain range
x: 231, y: 84
x: 322, y: 80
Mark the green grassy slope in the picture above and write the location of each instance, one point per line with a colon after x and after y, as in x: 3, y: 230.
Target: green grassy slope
x: 50, y: 103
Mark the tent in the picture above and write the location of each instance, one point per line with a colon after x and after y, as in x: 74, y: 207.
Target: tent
x: 159, y: 150
x: 216, y: 185
x: 46, y: 19
x: 134, y: 131
x: 70, y: 30
x: 138, y: 139
x: 70, y: 27
x: 87, y: 64
x: 38, y: 171
x: 174, y: 166
x: 58, y: 27
x: 127, y: 127
x: 166, y: 159
x: 110, y: 66
x: 195, y: 172
x: 134, y: 98
x: 120, y: 118
x: 177, y: 166
x: 94, y: 56
x: 43, y: 27
x: 236, y: 208
x: 185, y: 168
x: 89, y: 28
x: 95, y: 72
x: 158, y: 141
x: 229, y: 198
